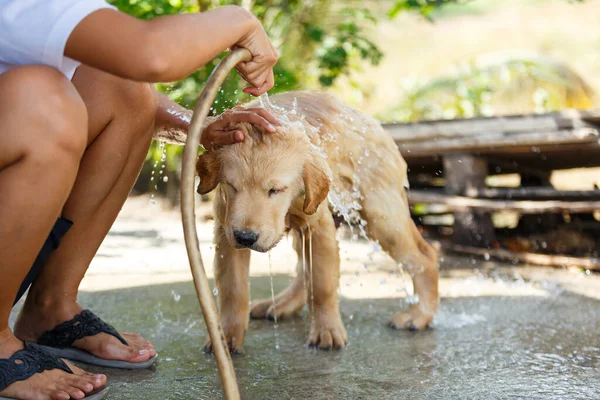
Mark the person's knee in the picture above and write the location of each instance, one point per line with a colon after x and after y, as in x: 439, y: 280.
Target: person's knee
x: 55, y: 116
x: 140, y: 102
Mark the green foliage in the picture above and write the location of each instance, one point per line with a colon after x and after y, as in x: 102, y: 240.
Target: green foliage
x: 425, y: 7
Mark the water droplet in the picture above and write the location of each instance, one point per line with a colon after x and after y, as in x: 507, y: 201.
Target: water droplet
x: 215, y: 291
x: 166, y: 179
x: 414, y: 299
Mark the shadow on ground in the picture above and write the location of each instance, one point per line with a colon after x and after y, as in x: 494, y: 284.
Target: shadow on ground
x: 481, y: 348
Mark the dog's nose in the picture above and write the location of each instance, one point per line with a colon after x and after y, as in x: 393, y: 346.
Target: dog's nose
x: 245, y: 238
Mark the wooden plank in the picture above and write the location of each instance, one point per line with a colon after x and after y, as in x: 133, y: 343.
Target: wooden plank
x: 528, y: 258
x: 528, y: 193
x: 591, y: 116
x: 444, y: 129
x: 489, y: 142
x: 461, y: 204
x: 515, y: 159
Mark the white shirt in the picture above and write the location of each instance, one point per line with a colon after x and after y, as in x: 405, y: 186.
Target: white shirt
x: 36, y: 31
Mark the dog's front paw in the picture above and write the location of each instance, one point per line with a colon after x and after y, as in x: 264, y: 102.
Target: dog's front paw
x: 234, y: 338
x: 413, y: 319
x: 327, y: 331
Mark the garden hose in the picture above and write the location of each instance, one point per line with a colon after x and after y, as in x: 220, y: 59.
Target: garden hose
x: 190, y: 155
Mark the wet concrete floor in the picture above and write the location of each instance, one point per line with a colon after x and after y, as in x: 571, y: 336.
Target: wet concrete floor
x: 488, y: 347
x: 502, y: 332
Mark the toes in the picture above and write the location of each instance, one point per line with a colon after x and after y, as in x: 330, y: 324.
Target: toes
x: 259, y: 309
x: 326, y: 341
x: 231, y: 345
x: 99, y: 381
x: 137, y: 342
x: 412, y: 321
x: 235, y: 348
x: 81, y: 378
x: 60, y: 395
x: 237, y: 352
x: 339, y: 342
x: 127, y: 353
x: 83, y: 383
x: 208, y: 347
x: 254, y: 315
x: 74, y: 393
x: 313, y: 338
x: 421, y: 322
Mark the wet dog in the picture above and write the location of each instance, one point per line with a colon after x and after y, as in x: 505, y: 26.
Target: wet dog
x: 271, y: 184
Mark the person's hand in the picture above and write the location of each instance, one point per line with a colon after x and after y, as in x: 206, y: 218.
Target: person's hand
x: 258, y: 72
x: 220, y: 132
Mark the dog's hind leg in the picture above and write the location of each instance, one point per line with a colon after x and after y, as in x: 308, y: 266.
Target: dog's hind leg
x: 291, y: 300
x: 389, y: 222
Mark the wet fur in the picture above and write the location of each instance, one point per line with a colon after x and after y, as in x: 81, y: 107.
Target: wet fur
x: 360, y: 157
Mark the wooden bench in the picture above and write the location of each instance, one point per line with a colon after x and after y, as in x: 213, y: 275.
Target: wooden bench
x: 461, y: 154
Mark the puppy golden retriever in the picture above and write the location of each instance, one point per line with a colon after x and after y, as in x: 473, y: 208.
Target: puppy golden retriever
x: 271, y: 184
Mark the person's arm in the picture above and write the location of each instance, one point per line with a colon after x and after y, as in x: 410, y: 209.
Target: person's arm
x: 172, y: 47
x: 172, y: 122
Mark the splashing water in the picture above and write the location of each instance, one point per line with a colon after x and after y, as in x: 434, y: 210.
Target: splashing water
x: 264, y: 101
x: 276, y: 326
x: 153, y: 177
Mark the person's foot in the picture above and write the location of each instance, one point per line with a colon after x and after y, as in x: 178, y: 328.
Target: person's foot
x: 36, y: 319
x: 54, y: 384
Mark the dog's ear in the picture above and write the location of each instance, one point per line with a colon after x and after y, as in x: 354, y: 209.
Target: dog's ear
x: 207, y: 168
x: 316, y: 187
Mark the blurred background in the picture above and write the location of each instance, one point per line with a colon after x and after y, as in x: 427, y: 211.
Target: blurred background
x: 406, y: 60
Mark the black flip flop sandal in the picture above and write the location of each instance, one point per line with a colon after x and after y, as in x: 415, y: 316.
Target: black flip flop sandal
x: 58, y: 342
x: 31, y: 360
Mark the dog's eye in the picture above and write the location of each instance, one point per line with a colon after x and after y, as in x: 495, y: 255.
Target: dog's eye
x: 274, y: 191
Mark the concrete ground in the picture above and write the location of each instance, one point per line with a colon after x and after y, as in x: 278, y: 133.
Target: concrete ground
x: 502, y: 331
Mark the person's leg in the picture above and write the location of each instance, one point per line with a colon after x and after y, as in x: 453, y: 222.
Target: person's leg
x: 42, y: 136
x: 121, y: 123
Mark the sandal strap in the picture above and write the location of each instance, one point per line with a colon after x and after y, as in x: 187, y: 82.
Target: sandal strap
x: 82, y: 325
x: 27, y: 362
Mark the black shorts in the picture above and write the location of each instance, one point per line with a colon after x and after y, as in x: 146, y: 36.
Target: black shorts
x: 61, y: 227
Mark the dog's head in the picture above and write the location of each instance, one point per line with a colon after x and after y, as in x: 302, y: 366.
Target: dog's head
x: 259, y: 181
